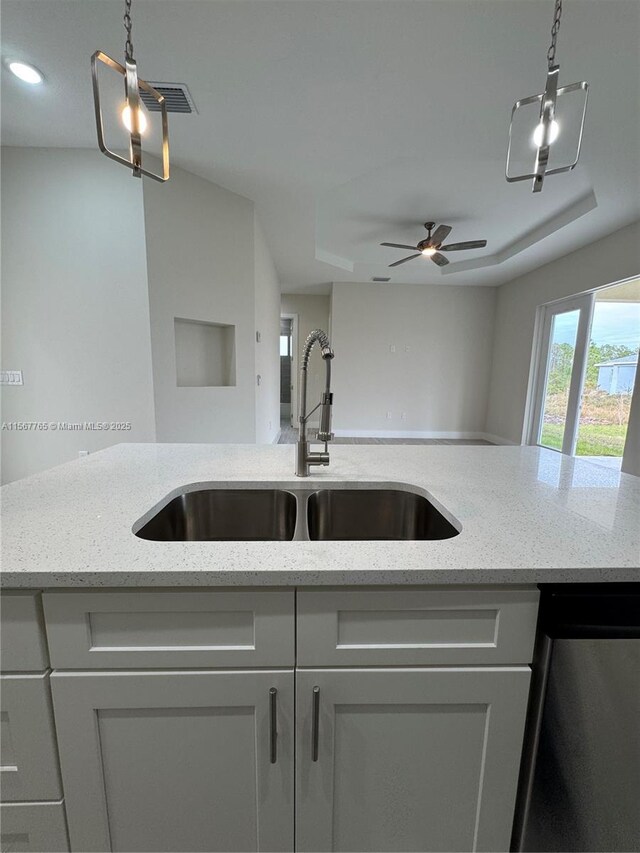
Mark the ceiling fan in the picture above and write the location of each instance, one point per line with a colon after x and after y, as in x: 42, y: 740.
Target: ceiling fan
x: 431, y: 246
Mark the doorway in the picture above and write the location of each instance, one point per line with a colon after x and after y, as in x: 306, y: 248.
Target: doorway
x: 288, y: 369
x: 587, y: 362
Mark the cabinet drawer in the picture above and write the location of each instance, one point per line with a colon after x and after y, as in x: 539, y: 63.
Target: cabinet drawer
x: 416, y: 626
x: 28, y: 754
x: 23, y: 644
x: 106, y: 630
x: 33, y: 828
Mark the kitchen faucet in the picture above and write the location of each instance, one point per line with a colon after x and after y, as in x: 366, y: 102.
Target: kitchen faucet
x: 305, y: 457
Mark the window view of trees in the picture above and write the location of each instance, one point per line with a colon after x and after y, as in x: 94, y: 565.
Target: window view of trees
x: 604, y: 414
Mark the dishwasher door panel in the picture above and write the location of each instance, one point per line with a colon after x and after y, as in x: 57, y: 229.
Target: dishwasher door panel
x: 586, y: 784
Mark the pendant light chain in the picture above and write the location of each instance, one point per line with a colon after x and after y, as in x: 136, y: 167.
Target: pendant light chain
x: 128, y: 25
x: 551, y: 53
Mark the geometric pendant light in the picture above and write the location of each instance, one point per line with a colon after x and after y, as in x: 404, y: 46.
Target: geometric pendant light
x: 550, y: 124
x: 133, y: 117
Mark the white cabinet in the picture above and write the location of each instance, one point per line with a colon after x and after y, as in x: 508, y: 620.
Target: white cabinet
x: 32, y: 828
x: 416, y: 627
x: 170, y: 630
x: 22, y: 643
x: 408, y: 759
x: 32, y: 816
x: 28, y: 759
x: 176, y: 761
x: 416, y: 749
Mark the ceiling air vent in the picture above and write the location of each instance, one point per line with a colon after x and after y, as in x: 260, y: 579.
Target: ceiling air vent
x: 379, y: 278
x: 176, y: 95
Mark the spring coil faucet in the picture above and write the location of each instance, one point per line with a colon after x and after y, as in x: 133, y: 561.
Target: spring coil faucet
x: 305, y: 457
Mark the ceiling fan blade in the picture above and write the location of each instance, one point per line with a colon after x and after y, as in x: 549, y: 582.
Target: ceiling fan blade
x: 404, y: 260
x: 470, y: 244
x: 398, y: 246
x: 439, y: 259
x: 441, y: 233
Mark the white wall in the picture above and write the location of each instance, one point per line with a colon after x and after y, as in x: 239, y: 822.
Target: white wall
x: 611, y: 259
x: 267, y: 320
x: 200, y: 260
x: 313, y: 313
x: 75, y: 316
x: 438, y: 374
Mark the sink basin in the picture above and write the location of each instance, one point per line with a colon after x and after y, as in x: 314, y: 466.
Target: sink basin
x: 374, y: 514
x: 218, y: 515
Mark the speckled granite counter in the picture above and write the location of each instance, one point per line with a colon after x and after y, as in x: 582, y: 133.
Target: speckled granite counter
x: 527, y: 516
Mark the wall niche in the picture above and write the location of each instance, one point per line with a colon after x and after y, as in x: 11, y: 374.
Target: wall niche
x: 205, y: 353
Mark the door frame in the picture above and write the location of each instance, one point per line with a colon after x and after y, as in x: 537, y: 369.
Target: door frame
x: 545, y: 314
x: 294, y: 365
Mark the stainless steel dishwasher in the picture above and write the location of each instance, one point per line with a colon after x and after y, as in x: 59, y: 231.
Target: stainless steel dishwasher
x: 580, y: 781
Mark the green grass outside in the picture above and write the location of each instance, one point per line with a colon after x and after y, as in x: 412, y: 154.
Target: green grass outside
x: 593, y: 439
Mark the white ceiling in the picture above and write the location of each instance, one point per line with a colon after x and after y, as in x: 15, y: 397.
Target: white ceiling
x: 351, y: 122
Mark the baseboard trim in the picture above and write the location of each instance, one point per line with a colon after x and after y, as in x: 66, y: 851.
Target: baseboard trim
x: 407, y: 433
x: 459, y: 435
x: 497, y: 439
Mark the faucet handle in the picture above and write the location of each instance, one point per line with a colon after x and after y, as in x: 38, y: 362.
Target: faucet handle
x: 324, y: 432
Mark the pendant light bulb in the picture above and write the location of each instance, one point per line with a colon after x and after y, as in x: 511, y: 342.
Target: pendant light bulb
x: 538, y: 133
x: 126, y: 119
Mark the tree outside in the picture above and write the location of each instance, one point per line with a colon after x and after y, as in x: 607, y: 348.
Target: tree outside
x: 603, y: 417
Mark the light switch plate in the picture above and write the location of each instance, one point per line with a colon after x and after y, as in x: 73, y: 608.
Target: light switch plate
x: 11, y: 377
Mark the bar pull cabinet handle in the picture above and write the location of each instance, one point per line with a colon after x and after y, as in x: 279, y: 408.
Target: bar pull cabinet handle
x: 315, y: 734
x: 273, y: 725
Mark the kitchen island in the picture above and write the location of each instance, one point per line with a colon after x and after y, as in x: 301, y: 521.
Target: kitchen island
x: 527, y: 515
x: 285, y: 695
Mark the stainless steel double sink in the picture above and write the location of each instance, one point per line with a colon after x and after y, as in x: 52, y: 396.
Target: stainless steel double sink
x: 269, y: 514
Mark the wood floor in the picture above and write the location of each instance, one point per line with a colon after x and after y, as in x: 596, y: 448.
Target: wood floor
x: 289, y: 435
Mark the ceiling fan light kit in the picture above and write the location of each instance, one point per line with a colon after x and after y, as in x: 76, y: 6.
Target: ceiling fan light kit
x: 132, y: 115
x: 547, y: 130
x: 431, y: 247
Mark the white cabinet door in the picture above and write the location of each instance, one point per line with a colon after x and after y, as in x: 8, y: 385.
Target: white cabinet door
x: 408, y: 759
x: 32, y: 828
x: 28, y: 759
x: 176, y: 761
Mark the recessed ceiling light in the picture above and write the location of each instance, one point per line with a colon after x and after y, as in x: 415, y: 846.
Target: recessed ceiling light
x: 25, y: 72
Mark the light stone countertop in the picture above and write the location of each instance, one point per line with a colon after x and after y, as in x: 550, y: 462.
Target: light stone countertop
x: 527, y: 515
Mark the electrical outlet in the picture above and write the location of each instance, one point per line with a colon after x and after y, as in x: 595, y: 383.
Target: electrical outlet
x: 403, y: 415
x: 392, y: 347
x: 388, y: 416
x: 11, y: 377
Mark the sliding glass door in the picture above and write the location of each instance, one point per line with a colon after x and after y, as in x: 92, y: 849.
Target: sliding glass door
x: 610, y: 376
x: 587, y: 360
x: 563, y: 347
